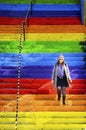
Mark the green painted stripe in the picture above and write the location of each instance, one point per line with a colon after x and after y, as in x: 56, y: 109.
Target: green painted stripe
x: 42, y: 1
x: 41, y: 46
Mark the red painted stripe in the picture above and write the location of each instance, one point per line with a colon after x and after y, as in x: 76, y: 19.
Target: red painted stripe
x: 71, y: 91
x: 38, y: 86
x: 41, y: 91
x: 35, y: 86
x: 42, y: 21
x: 39, y: 80
x: 24, y: 80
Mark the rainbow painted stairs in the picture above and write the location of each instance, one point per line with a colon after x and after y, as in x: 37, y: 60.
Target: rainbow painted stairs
x: 55, y: 27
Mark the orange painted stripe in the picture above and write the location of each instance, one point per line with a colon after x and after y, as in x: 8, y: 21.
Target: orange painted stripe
x: 10, y: 97
x: 44, y: 29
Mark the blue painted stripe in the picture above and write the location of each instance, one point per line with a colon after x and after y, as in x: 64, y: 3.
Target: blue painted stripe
x: 40, y: 7
x: 48, y: 68
x: 38, y: 59
x: 39, y: 72
x: 3, y: 59
x: 22, y: 14
x: 74, y: 76
x: 40, y: 63
x: 13, y: 55
x: 40, y: 10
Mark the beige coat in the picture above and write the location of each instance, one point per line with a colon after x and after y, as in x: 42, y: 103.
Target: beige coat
x: 55, y: 72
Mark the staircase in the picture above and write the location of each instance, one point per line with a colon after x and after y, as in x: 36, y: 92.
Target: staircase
x: 54, y: 28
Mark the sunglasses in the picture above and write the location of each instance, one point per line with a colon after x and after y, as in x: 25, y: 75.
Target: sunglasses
x: 61, y: 59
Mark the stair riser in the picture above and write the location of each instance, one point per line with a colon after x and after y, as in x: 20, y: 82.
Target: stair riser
x: 41, y: 21
x: 41, y: 91
x: 36, y: 81
x: 45, y: 109
x: 41, y: 2
x: 43, y: 29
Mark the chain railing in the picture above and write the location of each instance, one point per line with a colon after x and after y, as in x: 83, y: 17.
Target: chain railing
x: 19, y: 74
x: 22, y: 38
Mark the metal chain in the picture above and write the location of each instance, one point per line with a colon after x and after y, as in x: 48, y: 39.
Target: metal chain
x: 19, y: 73
x: 22, y: 32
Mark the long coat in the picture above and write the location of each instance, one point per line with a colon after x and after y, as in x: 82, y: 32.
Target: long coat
x: 55, y: 73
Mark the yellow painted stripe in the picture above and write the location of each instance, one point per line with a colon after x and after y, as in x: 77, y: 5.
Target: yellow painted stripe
x: 53, y: 120
x: 9, y: 37
x: 44, y: 126
x: 45, y: 37
x: 48, y: 120
x: 44, y: 114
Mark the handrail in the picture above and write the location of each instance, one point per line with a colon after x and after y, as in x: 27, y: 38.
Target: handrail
x: 22, y: 33
x: 29, y: 11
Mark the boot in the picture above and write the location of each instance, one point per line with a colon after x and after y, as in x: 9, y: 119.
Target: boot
x: 63, y: 100
x: 59, y: 96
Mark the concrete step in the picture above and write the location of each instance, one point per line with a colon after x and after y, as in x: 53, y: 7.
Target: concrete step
x: 45, y: 127
x: 42, y: 21
x: 36, y: 81
x: 42, y: 103
x: 35, y: 86
x: 47, y: 121
x: 12, y: 108
x: 9, y: 97
x: 41, y: 55
x: 44, y: 29
x: 44, y: 37
x: 39, y: 1
x: 41, y: 91
x: 44, y: 115
x: 39, y: 10
x: 25, y: 102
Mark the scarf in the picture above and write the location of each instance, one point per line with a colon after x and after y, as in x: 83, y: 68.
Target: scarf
x: 60, y: 71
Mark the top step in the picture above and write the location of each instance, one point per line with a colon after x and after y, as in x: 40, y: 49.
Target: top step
x: 41, y: 1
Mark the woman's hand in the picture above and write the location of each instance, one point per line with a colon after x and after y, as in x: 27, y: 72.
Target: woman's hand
x: 70, y: 80
x: 51, y: 81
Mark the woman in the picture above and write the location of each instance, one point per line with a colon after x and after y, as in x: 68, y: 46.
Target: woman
x: 61, y: 77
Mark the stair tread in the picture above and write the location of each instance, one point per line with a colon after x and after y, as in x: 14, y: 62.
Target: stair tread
x: 41, y: 28
x: 44, y: 114
x: 52, y: 121
x: 42, y: 21
x: 45, y: 37
x: 42, y: 96
x: 39, y: 1
x: 46, y: 127
x: 43, y: 108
